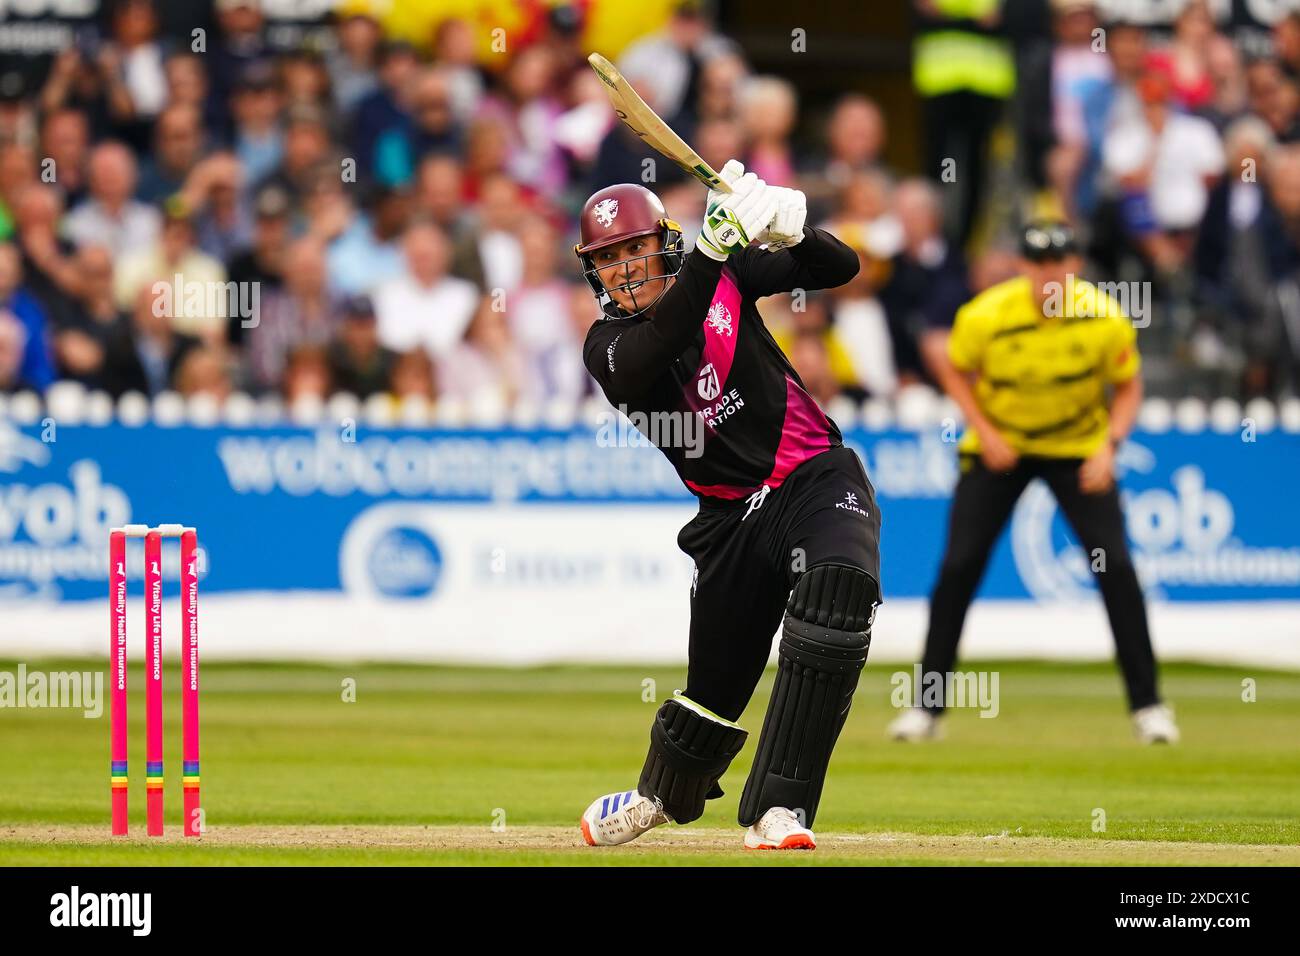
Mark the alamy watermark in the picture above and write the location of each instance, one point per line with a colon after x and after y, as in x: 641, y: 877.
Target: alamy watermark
x: 83, y: 690
x: 74, y: 908
x: 636, y: 429
x: 196, y: 300
x: 934, y: 689
x: 1086, y: 300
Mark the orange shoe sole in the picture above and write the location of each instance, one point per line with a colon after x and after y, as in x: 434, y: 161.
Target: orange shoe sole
x: 586, y: 831
x: 795, y: 841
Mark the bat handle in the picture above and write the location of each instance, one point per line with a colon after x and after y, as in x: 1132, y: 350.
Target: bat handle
x: 710, y: 178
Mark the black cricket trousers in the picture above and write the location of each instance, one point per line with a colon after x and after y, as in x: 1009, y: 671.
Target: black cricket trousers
x: 748, y: 555
x: 981, y: 506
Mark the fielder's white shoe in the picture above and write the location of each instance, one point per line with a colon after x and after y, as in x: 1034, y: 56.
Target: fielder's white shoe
x: 1155, y: 725
x: 915, y: 723
x: 620, y: 817
x: 779, y: 829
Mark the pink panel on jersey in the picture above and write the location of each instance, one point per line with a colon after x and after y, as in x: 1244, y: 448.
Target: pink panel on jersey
x: 721, y: 326
x: 805, y: 433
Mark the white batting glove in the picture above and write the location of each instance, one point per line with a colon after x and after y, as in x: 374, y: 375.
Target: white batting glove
x: 786, y: 228
x: 730, y: 174
x: 732, y: 220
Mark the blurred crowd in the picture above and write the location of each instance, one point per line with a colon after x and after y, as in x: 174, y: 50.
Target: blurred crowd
x: 395, y: 219
x: 1174, y: 150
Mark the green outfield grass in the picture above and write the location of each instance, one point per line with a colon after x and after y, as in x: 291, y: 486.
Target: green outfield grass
x: 443, y: 765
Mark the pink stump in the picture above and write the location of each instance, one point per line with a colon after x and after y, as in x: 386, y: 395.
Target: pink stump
x: 190, y: 680
x: 153, y: 714
x: 117, y: 677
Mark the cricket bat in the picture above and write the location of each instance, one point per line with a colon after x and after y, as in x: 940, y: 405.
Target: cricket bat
x: 645, y: 122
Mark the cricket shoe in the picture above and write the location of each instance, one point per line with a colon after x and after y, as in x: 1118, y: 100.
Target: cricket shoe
x: 620, y: 818
x: 1155, y: 725
x: 779, y: 829
x: 915, y: 723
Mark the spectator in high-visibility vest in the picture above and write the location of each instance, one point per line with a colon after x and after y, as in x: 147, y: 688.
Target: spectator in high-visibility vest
x: 963, y: 68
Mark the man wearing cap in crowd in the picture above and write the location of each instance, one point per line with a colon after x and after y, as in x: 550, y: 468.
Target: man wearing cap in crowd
x: 358, y: 363
x: 240, y: 42
x: 257, y: 139
x: 263, y: 262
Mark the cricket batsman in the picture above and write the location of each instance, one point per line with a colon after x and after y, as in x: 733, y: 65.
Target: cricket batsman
x: 1030, y: 362
x: 788, y: 529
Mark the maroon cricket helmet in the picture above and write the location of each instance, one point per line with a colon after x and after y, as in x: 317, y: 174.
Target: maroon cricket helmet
x: 613, y: 215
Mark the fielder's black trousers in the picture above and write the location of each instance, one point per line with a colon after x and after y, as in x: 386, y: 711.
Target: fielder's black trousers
x: 981, y: 506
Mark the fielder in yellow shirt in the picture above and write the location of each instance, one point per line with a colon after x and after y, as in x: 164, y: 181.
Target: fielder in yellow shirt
x: 1044, y: 368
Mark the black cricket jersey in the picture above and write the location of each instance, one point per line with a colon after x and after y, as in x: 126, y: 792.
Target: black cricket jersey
x: 706, y: 352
